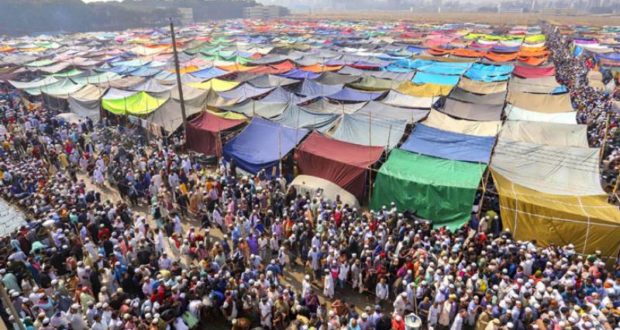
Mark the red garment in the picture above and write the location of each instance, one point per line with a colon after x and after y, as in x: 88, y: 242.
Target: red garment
x: 338, y: 218
x: 398, y: 325
x: 103, y: 234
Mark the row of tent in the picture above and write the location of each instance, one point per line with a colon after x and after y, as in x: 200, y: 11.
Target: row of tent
x: 430, y: 108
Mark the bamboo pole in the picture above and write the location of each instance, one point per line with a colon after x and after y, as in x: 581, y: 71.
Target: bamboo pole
x: 9, y: 304
x: 178, y: 74
x: 602, y: 153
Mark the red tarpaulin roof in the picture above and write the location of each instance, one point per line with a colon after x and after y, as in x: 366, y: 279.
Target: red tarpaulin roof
x: 533, y: 72
x: 345, y: 164
x: 203, y: 133
x: 212, y: 123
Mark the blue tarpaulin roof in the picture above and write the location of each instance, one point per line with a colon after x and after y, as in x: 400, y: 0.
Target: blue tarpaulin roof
x: 297, y: 117
x: 448, y: 68
x: 369, y: 131
x: 483, y: 76
x: 144, y: 72
x: 262, y: 144
x: 449, y: 145
x: 209, y: 73
x: 505, y: 49
x: 281, y: 95
x: 311, y: 88
x: 244, y: 92
x: 352, y: 95
x: 300, y: 74
x: 438, y: 79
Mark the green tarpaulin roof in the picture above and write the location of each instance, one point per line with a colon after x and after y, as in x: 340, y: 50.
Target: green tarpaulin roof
x: 137, y: 104
x: 61, y: 88
x: 70, y: 73
x: 436, y: 189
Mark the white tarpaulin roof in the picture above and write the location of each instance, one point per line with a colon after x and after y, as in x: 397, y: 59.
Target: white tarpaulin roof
x: 516, y: 113
x: 87, y: 102
x: 444, y: 122
x: 407, y: 101
x: 329, y: 190
x: 550, y: 134
x: 553, y: 170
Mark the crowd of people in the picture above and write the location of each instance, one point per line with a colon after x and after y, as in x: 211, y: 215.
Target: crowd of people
x: 594, y: 106
x: 189, y: 246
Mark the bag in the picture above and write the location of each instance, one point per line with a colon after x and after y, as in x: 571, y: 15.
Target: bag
x: 190, y: 319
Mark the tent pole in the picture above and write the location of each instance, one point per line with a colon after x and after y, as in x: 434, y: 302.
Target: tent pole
x: 9, y: 305
x: 616, y: 186
x: 484, y: 191
x: 605, y: 137
x: 178, y: 74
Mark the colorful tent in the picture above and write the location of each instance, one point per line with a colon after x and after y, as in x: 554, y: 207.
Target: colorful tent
x: 297, y: 117
x: 551, y: 134
x: 553, y: 170
x: 215, y: 84
x: 436, y: 189
x: 533, y: 71
x: 369, y: 131
x: 547, y: 103
x: 463, y: 95
x: 449, y: 145
x: 434, y: 78
x: 481, y: 87
x: 87, y: 102
x: 345, y: 164
x: 139, y: 103
x: 444, y: 122
x: 424, y: 90
x: 352, y: 95
x: 273, y: 140
x: 206, y: 132
x: 397, y: 99
x: 376, y: 109
x: 588, y: 222
x: 329, y: 191
x: 472, y: 111
x: 516, y: 113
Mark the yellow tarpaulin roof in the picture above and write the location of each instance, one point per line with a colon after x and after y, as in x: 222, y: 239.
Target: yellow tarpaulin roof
x: 588, y: 222
x: 424, y: 90
x: 547, y: 103
x: 438, y: 120
x: 215, y: 84
x: 480, y: 87
x: 228, y: 115
x: 137, y: 104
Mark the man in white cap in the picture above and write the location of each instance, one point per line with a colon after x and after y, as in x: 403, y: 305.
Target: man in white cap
x: 76, y: 320
x: 306, y: 286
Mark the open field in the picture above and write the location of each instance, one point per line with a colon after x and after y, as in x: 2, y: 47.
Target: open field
x: 474, y: 17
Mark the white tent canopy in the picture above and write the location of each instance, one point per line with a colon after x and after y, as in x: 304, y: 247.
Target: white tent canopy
x: 318, y: 187
x: 571, y: 171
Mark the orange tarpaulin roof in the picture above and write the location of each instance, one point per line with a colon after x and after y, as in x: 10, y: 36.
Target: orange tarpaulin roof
x: 462, y: 52
x: 500, y: 58
x: 279, y: 68
x: 186, y: 69
x: 533, y: 52
x: 321, y: 68
x: 438, y: 51
x: 536, y: 61
x: 236, y: 67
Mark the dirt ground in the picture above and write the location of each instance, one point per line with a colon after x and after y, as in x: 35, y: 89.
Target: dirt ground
x: 496, y: 19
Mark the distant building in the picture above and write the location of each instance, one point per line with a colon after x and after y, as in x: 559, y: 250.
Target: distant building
x: 186, y: 15
x: 265, y: 12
